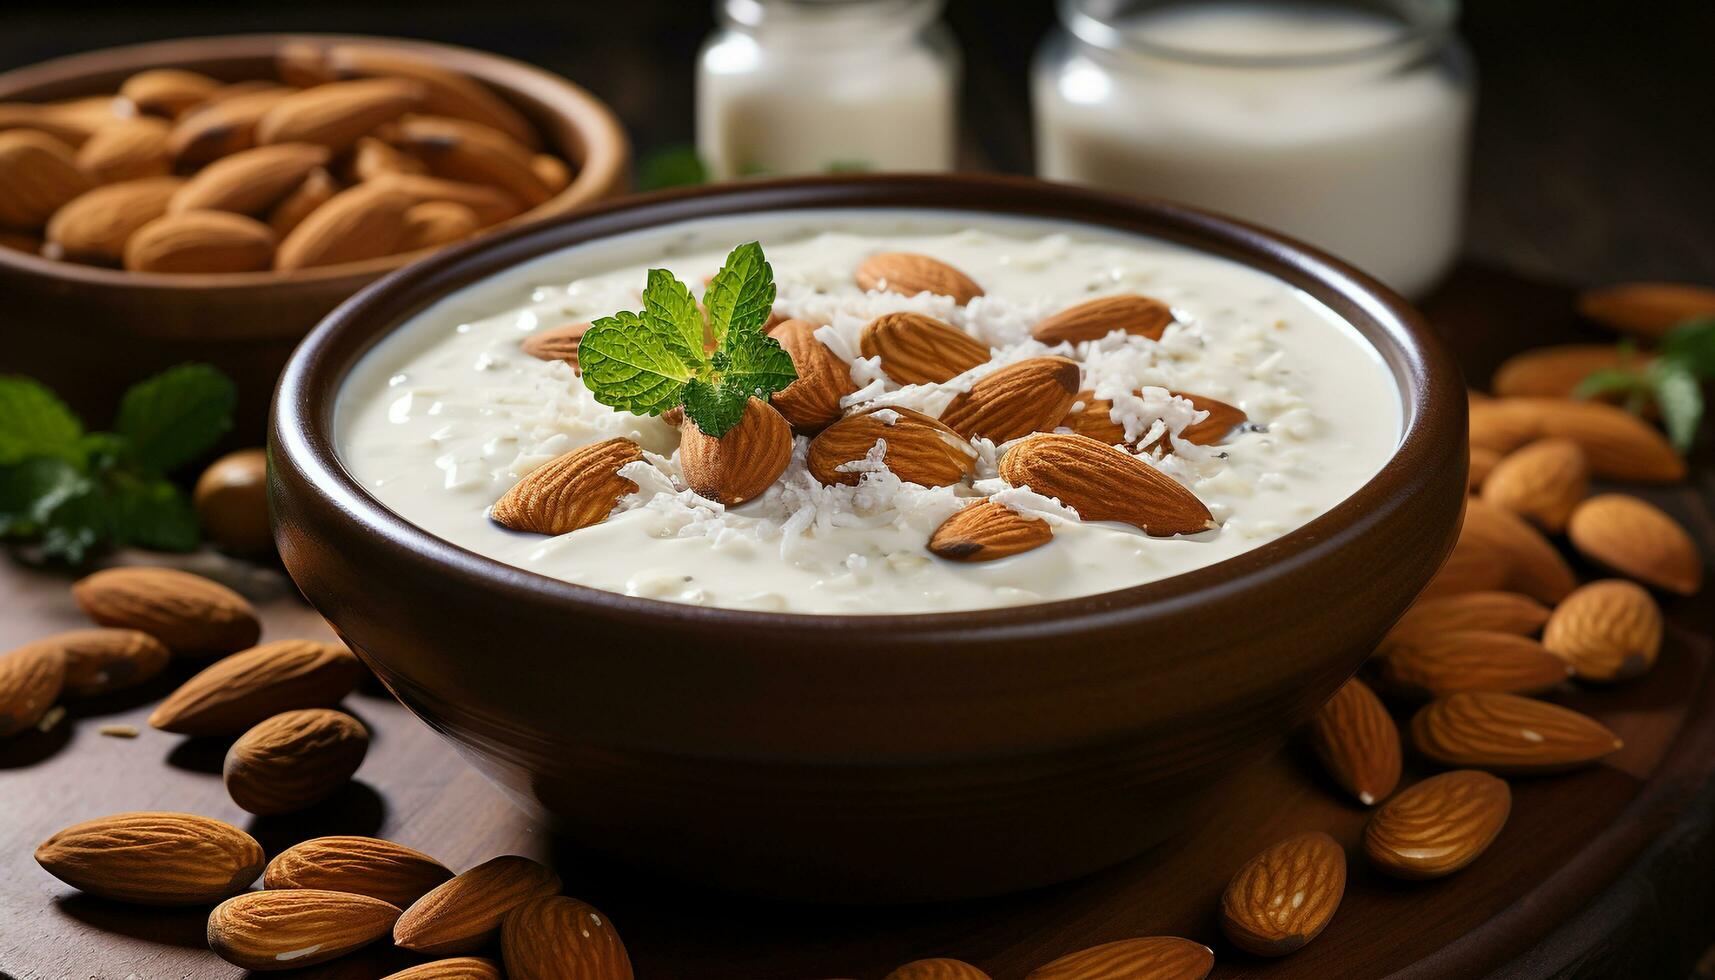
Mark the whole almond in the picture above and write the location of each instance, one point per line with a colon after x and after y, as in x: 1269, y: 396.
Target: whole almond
x: 1648, y: 309
x: 1023, y: 397
x: 1607, y: 631
x: 373, y: 158
x: 1149, y: 958
x: 31, y: 678
x: 126, y: 150
x: 571, y: 491
x: 303, y: 64
x: 231, y: 500
x: 1358, y: 743
x: 293, y: 760
x: 458, y: 149
x: 337, y: 113
x: 445, y: 93
x: 918, y: 449
x: 559, y: 344
x: 1638, y: 540
x: 1104, y: 484
x: 200, y: 242
x: 491, y: 204
x: 1505, y: 733
x: 1285, y: 896
x: 909, y: 273
x: 437, y: 223
x: 315, y: 190
x: 1542, y: 482
x: 1093, y: 417
x: 1498, y: 550
x: 70, y: 128
x: 362, y: 222
x: 811, y: 403
x: 222, y: 126
x: 38, y: 175
x: 281, y: 930
x: 454, y: 968
x: 557, y: 938
x: 741, y: 464
x: 1618, y: 445
x: 1499, y: 612
x: 237, y: 692
x: 369, y: 866
x: 1437, y: 826
x: 1483, y: 462
x: 100, y: 661
x: 1555, y: 372
x: 1094, y: 319
x: 938, y: 968
x: 250, y: 181
x: 988, y: 531
x: 167, y: 91
x: 551, y: 171
x: 917, y: 349
x: 192, y: 615
x: 465, y: 913
x: 153, y: 858
x: 1471, y: 660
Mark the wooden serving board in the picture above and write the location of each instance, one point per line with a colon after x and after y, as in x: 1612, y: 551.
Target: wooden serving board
x: 1599, y: 873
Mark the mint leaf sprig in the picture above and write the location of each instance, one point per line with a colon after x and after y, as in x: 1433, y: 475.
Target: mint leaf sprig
x: 711, y: 359
x: 78, y: 492
x: 1673, y: 379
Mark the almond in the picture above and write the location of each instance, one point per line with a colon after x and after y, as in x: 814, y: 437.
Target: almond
x: 231, y: 500
x: 72, y: 129
x: 1638, y: 540
x: 918, y: 449
x: 1554, y: 372
x: 445, y: 93
x: 1505, y: 733
x: 988, y: 531
x: 362, y: 222
x: 908, y: 274
x: 1498, y: 612
x: 491, y: 204
x: 31, y: 677
x: 917, y: 349
x: 153, y: 858
x: 1607, y: 631
x: 465, y: 913
x: 811, y: 403
x: 126, y: 150
x: 1498, y: 550
x: 1619, y: 445
x: 741, y: 464
x: 1094, y: 319
x: 554, y: 937
x: 1094, y: 418
x: 1483, y: 462
x: 1541, y: 483
x: 167, y: 91
x: 222, y: 126
x: 249, y: 687
x: 374, y: 158
x: 456, y: 968
x: 457, y: 149
x: 100, y: 661
x: 1104, y: 484
x: 337, y: 113
x: 381, y: 869
x: 1023, y: 397
x: 190, y: 614
x: 200, y: 242
x: 38, y: 175
x: 303, y: 64
x: 551, y: 171
x: 1471, y: 660
x: 437, y: 223
x: 294, y: 759
x: 571, y: 491
x: 250, y: 181
x: 1149, y: 958
x: 280, y: 930
x: 1285, y: 896
x: 1358, y: 743
x: 939, y: 968
x: 560, y: 344
x: 315, y: 190
x: 1648, y: 309
x: 1438, y: 826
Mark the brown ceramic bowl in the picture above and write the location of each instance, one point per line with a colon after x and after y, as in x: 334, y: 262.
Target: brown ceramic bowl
x: 89, y: 331
x: 859, y: 758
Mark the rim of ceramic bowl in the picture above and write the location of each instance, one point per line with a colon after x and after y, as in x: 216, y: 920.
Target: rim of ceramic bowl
x: 602, y: 171
x: 1432, y: 390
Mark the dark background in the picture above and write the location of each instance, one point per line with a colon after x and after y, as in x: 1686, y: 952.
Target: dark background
x: 1595, y: 146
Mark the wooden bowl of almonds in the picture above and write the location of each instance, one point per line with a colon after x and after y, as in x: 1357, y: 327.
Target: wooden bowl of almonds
x: 210, y: 199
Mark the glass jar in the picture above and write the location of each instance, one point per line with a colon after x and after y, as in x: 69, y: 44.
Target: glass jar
x: 808, y: 86
x: 1341, y: 122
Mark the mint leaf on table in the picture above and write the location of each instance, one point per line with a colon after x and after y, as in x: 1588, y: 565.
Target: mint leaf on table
x: 34, y: 422
x: 1673, y: 380
x: 1679, y: 395
x: 30, y: 488
x: 673, y: 166
x: 176, y: 416
x: 1692, y: 345
x: 151, y: 513
x: 741, y: 295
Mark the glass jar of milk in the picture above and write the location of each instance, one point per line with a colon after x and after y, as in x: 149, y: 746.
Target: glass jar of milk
x: 1341, y: 122
x: 808, y: 86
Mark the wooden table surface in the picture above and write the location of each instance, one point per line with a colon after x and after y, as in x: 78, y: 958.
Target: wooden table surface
x: 1599, y: 873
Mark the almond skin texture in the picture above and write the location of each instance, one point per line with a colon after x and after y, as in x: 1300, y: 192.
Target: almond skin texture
x: 94, y: 227
x: 909, y: 273
x: 1606, y: 631
x: 250, y: 182
x: 1618, y: 445
x: 742, y: 464
x: 38, y: 175
x: 314, y: 191
x: 247, y: 688
x: 1471, y: 660
x: 1104, y: 484
x: 222, y: 126
x: 1094, y: 319
x: 1438, y: 826
x: 1149, y: 958
x: 1095, y: 419
x: 571, y: 491
x: 917, y: 349
x: 988, y: 531
x: 1498, y: 550
x: 153, y: 858
x: 811, y: 403
x: 293, y: 760
x: 1284, y: 897
x: 1498, y: 612
x: 1647, y: 309
x: 445, y: 93
x: 381, y: 869
x: 372, y: 158
x: 558, y: 344
x: 336, y: 114
x: 363, y: 222
x: 192, y: 615
x: 455, y: 968
x: 282, y: 930
x: 1638, y: 540
x: 465, y: 913
x: 231, y: 499
x: 559, y: 938
x: 200, y: 241
x: 919, y: 449
x: 99, y: 661
x: 939, y: 968
x: 126, y: 150
x: 1553, y: 372
x: 1023, y: 397
x: 1505, y: 733
x: 458, y: 149
x: 491, y: 204
x: 167, y: 91
x: 1358, y: 743
x: 1542, y: 483
x: 437, y: 223
x: 31, y: 677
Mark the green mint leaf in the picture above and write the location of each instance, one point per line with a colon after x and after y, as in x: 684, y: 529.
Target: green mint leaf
x: 629, y: 366
x: 74, y: 521
x: 848, y: 167
x: 1692, y: 346
x: 30, y: 489
x: 754, y: 363
x: 741, y: 295
x: 715, y: 408
x: 176, y: 416
x: 672, y: 314
x: 34, y: 422
x: 1680, y: 397
x: 1608, y: 381
x: 673, y: 166
x: 152, y: 513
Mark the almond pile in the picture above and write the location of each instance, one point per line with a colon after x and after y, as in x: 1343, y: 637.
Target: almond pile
x: 354, y: 153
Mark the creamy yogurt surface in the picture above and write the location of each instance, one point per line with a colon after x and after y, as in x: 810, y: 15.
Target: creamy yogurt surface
x: 445, y: 415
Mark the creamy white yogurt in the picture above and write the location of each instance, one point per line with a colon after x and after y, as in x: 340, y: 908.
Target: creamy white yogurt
x: 447, y: 414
